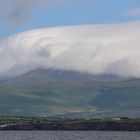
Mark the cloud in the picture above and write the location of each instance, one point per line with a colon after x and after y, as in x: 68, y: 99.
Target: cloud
x: 133, y: 12
x: 17, y: 11
x: 93, y: 49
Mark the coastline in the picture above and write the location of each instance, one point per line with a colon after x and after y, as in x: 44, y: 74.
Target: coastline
x: 38, y: 124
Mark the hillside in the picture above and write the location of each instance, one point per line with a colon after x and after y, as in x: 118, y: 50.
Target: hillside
x: 39, y: 94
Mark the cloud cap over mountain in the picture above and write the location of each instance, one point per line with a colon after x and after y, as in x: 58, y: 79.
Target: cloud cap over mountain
x: 93, y: 49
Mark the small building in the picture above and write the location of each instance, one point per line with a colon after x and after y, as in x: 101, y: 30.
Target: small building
x: 116, y: 119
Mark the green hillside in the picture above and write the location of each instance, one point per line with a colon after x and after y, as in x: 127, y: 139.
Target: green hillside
x: 36, y: 95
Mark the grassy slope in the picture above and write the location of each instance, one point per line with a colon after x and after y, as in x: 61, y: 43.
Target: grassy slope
x: 38, y: 96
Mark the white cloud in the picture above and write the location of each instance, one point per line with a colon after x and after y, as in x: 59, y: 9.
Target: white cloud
x: 94, y: 49
x: 133, y: 12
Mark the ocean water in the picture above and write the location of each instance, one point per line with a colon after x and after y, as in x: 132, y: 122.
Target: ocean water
x: 68, y: 135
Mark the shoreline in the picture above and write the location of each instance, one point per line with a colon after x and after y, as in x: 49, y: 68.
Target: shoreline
x: 39, y: 124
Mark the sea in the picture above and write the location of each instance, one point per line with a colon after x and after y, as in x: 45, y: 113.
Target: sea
x: 68, y: 135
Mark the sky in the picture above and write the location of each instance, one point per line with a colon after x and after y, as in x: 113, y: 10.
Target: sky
x: 21, y: 15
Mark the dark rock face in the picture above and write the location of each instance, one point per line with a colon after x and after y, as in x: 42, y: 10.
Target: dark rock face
x: 85, y: 126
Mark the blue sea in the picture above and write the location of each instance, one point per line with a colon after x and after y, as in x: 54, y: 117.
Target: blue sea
x: 68, y: 135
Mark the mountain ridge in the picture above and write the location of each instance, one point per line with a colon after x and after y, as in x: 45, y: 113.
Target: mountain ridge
x: 33, y: 94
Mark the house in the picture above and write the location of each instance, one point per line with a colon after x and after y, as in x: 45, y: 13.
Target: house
x: 116, y: 119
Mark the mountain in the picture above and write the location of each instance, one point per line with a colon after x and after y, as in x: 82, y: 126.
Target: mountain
x: 51, y: 74
x: 66, y: 93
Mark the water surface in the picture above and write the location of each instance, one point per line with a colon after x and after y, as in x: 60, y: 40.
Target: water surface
x: 68, y: 135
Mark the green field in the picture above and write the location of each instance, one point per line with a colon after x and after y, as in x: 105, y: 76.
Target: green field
x: 36, y: 95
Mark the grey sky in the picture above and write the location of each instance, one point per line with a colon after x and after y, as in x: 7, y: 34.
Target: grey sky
x: 16, y: 11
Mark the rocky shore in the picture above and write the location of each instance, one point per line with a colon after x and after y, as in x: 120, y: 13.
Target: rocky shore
x: 82, y: 126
